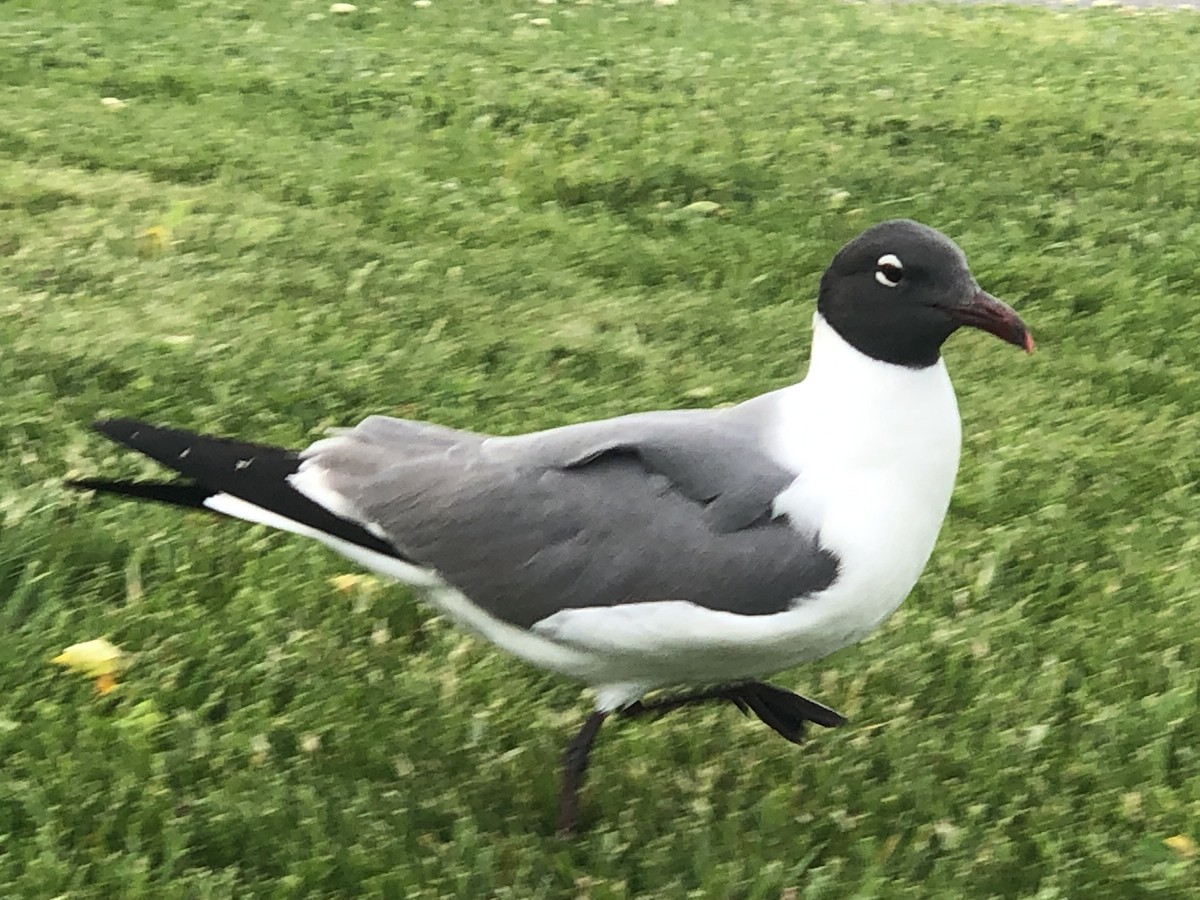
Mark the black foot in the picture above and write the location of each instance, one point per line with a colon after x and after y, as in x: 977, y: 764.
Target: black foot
x: 785, y: 712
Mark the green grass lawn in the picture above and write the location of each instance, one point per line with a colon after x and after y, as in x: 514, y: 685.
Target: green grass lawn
x: 287, y: 219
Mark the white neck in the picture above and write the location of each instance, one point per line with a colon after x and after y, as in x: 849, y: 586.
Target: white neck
x: 864, y: 412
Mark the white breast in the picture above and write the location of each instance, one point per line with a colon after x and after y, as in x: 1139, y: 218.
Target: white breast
x: 876, y: 447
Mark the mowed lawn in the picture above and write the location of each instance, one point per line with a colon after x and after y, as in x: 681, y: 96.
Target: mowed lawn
x: 506, y: 216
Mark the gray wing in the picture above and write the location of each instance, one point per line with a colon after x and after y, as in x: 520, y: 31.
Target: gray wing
x: 659, y: 506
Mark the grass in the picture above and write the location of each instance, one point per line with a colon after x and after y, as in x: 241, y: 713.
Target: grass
x: 291, y: 218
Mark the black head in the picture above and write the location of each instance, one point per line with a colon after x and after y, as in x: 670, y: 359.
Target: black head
x: 899, y: 289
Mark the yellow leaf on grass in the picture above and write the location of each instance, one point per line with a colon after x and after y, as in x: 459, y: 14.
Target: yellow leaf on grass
x: 96, y: 659
x: 154, y: 241
x: 1182, y: 844
x: 346, y: 583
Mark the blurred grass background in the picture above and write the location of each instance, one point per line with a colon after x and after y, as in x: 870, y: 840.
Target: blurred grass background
x: 266, y: 219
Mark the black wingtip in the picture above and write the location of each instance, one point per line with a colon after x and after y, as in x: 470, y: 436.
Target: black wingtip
x: 257, y: 474
x: 132, y: 433
x: 173, y: 493
x: 119, y: 429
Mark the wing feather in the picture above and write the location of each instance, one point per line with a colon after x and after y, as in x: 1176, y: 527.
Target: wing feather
x: 632, y: 510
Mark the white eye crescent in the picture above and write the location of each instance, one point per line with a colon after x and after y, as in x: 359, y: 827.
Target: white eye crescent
x: 889, y: 270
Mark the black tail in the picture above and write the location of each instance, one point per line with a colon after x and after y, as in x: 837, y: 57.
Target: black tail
x: 255, y: 473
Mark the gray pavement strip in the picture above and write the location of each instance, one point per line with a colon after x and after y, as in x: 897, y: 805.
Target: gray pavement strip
x: 1085, y: 4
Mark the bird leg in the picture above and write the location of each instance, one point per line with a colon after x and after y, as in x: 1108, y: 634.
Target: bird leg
x: 575, y: 762
x: 785, y: 712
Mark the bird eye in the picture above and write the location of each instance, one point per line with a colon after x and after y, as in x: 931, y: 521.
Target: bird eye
x: 890, y: 270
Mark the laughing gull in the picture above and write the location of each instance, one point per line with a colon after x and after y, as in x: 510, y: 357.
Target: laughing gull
x: 686, y: 548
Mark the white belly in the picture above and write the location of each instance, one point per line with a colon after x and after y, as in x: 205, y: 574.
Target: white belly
x: 883, y: 551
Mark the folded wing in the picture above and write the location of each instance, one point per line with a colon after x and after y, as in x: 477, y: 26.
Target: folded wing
x: 640, y: 509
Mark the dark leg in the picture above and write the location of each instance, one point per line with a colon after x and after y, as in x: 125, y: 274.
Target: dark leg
x: 785, y: 712
x: 662, y: 705
x: 575, y: 761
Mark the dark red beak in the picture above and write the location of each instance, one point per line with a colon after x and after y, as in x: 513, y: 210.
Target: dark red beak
x: 985, y: 312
